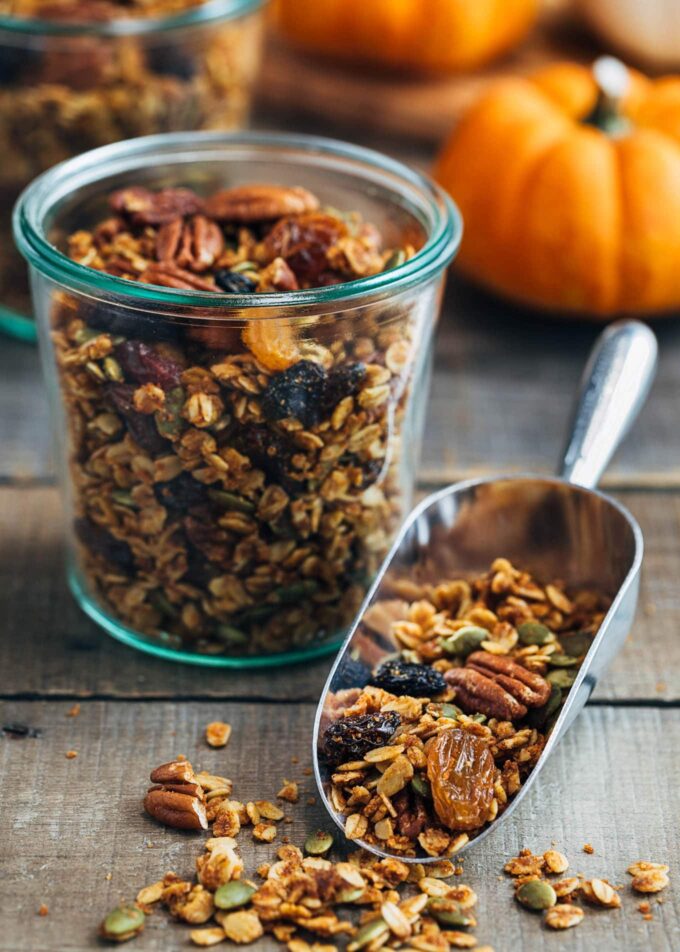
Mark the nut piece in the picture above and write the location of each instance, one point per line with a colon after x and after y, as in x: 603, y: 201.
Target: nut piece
x: 563, y: 916
x: 253, y: 203
x: 177, y: 800
x: 217, y: 734
x: 242, y: 927
x: 525, y: 686
x: 478, y: 694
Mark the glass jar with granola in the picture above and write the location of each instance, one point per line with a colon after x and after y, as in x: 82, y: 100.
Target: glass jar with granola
x: 237, y: 335
x: 77, y: 74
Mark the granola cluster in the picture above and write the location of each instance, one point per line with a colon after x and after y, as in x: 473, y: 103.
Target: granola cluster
x: 236, y: 483
x: 65, y: 95
x: 427, y: 749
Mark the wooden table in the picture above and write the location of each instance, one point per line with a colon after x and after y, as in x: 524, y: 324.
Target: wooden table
x: 73, y: 834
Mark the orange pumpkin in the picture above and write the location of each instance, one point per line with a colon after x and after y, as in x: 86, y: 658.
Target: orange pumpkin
x: 569, y: 205
x: 418, y: 35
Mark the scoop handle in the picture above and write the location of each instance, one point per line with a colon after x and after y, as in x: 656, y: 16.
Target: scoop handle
x: 614, y: 387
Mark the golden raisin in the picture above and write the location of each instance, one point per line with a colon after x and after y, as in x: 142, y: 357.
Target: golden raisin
x: 460, y: 769
x: 272, y: 343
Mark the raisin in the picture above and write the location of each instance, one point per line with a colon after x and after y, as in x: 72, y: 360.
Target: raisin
x: 234, y: 283
x: 342, y: 382
x: 416, y: 680
x: 350, y: 673
x: 141, y: 428
x: 350, y: 737
x: 461, y: 770
x: 269, y: 451
x: 144, y: 365
x: 273, y: 343
x: 296, y: 392
x: 101, y: 542
x: 180, y: 493
x: 17, y: 63
x: 303, y: 242
x: 125, y: 323
x: 171, y: 61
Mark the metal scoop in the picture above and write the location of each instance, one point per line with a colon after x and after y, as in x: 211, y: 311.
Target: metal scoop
x: 551, y: 527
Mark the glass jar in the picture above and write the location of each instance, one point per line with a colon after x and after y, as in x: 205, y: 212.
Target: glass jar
x: 68, y: 87
x: 248, y: 540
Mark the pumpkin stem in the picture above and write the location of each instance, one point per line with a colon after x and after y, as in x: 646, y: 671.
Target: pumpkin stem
x: 613, y: 84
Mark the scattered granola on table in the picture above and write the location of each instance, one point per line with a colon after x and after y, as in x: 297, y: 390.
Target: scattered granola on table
x: 236, y: 486
x: 428, y: 748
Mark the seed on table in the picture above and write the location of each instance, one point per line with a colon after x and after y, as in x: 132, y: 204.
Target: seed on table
x: 563, y: 916
x: 447, y: 912
x: 555, y: 861
x: 536, y: 894
x: 123, y: 923
x: 217, y: 734
x: 234, y: 894
x: 372, y: 931
x: 319, y: 843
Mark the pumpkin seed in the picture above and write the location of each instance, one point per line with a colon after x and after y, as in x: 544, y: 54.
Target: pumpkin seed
x: 465, y: 640
x: 95, y: 370
x: 375, y: 929
x: 561, y: 677
x: 319, y: 843
x: 257, y: 613
x: 536, y: 894
x: 448, y: 913
x: 113, y: 369
x: 230, y: 501
x: 349, y: 895
x: 397, y: 258
x: 554, y: 701
x: 234, y: 894
x: 159, y: 601
x: 577, y: 644
x: 123, y: 498
x: 479, y: 718
x: 231, y: 635
x: 84, y: 334
x: 449, y: 710
x: 562, y: 661
x: 123, y: 923
x: 421, y: 786
x: 244, y: 266
x: 534, y: 633
x: 289, y: 594
x: 169, y: 421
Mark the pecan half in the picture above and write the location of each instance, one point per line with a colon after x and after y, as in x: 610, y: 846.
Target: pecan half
x: 176, y: 799
x: 168, y: 275
x: 144, y: 207
x: 524, y: 685
x: 195, y: 244
x: 253, y: 203
x: 478, y: 694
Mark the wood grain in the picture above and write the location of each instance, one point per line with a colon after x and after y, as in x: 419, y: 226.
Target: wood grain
x: 75, y: 821
x: 301, y: 88
x: 503, y: 385
x: 51, y: 649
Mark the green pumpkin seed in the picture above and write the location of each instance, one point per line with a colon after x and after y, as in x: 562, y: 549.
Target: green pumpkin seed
x: 562, y: 661
x: 448, y: 913
x: 169, y: 421
x: 244, y: 266
x: 349, y: 895
x: 123, y: 498
x: 95, y: 370
x: 536, y: 894
x: 534, y: 633
x: 479, y: 718
x: 230, y: 501
x: 561, y: 677
x: 113, y: 369
x: 465, y: 640
x: 159, y: 601
x: 319, y: 843
x: 234, y: 894
x: 372, y: 930
x: 421, y: 786
x: 554, y: 701
x: 231, y: 635
x: 396, y: 259
x: 289, y: 594
x: 577, y: 644
x: 449, y: 710
x: 256, y: 613
x: 84, y: 334
x: 123, y: 923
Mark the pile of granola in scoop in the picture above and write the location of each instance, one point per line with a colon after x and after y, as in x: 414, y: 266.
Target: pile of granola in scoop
x: 427, y: 749
x: 235, y: 485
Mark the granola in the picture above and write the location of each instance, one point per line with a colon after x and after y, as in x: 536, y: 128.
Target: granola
x: 62, y: 95
x: 236, y: 486
x: 429, y: 747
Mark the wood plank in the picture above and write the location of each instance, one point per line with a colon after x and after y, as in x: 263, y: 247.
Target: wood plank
x: 357, y: 99
x: 49, y: 648
x: 73, y: 822
x: 500, y: 401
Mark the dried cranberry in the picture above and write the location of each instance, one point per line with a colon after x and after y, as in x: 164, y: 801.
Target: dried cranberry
x: 296, y: 392
x: 344, y: 381
x: 180, y: 493
x: 101, y: 542
x: 350, y: 737
x: 141, y: 428
x: 416, y: 680
x: 145, y: 365
x: 234, y: 283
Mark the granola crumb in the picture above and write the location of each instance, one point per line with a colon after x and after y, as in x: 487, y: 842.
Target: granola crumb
x: 73, y: 711
x: 289, y: 791
x: 294, y: 760
x: 181, y: 757
x: 217, y: 734
x: 587, y: 848
x: 644, y: 908
x: 108, y: 877
x: 43, y: 909
x: 71, y: 754
x: 311, y: 801
x: 307, y: 771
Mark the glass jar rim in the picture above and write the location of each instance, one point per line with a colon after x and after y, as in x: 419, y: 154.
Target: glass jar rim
x: 210, y: 12
x: 39, y: 197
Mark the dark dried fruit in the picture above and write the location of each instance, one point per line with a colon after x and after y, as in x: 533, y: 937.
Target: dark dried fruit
x: 343, y: 382
x: 144, y: 207
x: 141, y: 428
x: 180, y: 493
x: 101, y: 542
x: 126, y: 323
x: 269, y: 451
x: 351, y: 673
x: 303, y: 242
x: 460, y: 769
x: 350, y: 737
x: 416, y: 680
x: 172, y: 61
x: 234, y: 283
x: 20, y: 730
x: 296, y: 392
x: 145, y: 365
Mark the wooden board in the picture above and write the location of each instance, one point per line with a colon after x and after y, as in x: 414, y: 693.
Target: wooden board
x: 501, y: 395
x: 297, y: 88
x: 51, y: 649
x: 72, y: 822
